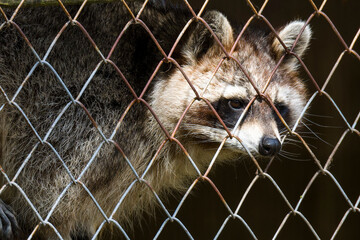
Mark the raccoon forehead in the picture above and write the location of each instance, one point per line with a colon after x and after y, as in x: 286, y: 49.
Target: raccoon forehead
x: 229, y: 89
x: 236, y: 91
x: 286, y: 94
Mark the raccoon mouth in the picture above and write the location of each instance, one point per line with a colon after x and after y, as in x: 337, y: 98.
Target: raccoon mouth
x: 265, y: 146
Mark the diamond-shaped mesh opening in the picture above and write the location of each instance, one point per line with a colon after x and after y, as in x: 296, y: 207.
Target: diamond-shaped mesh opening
x: 297, y: 229
x: 346, y: 229
x: 342, y: 168
x: 41, y: 21
x: 66, y: 52
x: 13, y: 70
x: 321, y: 190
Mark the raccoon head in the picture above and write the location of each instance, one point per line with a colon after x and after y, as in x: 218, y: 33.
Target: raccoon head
x: 228, y: 90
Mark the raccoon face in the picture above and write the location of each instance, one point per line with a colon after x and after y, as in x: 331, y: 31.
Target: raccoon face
x: 229, y: 92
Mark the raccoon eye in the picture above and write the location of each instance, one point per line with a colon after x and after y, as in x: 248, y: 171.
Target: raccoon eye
x: 282, y: 108
x: 236, y: 104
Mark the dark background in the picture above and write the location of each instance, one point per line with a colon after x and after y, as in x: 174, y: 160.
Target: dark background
x: 264, y: 209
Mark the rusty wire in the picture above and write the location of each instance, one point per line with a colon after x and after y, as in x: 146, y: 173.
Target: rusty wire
x: 293, y: 208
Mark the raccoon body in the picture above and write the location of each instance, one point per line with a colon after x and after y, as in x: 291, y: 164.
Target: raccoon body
x: 49, y: 142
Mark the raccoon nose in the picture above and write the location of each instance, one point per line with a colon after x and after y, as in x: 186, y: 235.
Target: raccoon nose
x: 269, y: 146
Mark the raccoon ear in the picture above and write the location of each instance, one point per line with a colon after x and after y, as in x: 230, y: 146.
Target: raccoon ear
x: 288, y: 35
x: 202, y: 43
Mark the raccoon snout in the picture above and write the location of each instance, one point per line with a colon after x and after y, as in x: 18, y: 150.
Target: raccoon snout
x: 269, y: 146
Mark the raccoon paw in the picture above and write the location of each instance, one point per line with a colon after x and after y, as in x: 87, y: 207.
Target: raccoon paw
x: 9, y: 228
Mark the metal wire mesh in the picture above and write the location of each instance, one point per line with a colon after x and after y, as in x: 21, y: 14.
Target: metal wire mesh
x: 293, y: 208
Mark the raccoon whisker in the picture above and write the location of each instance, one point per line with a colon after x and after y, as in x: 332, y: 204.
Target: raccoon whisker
x: 287, y: 153
x: 306, y: 132
x: 299, y: 142
x: 285, y: 136
x: 283, y: 133
x: 291, y: 143
x: 309, y: 137
x: 316, y: 115
x: 294, y: 159
x: 320, y: 125
x: 318, y: 136
x: 283, y: 129
x: 292, y: 140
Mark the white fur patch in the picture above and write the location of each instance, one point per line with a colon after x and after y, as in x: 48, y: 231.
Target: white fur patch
x: 251, y: 134
x: 231, y: 92
x: 288, y: 35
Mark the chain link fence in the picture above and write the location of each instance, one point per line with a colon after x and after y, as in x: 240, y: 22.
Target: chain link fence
x: 230, y: 204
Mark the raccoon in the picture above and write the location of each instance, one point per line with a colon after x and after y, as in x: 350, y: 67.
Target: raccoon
x: 77, y: 126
